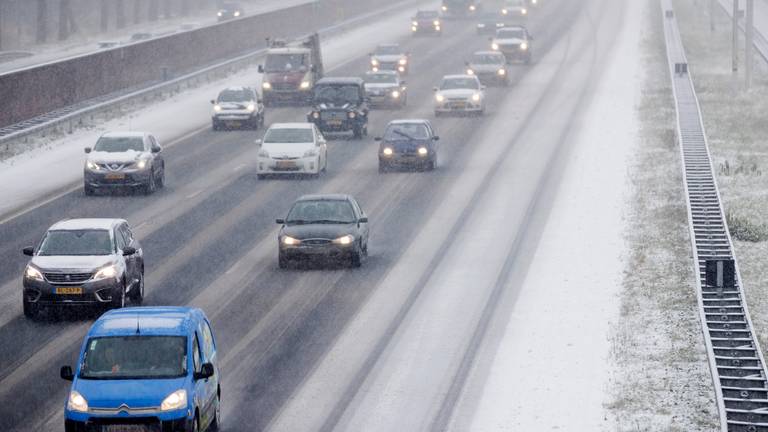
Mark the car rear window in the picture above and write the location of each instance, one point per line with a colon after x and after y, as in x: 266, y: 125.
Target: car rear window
x: 76, y: 242
x: 135, y: 357
x: 119, y: 144
x: 289, y: 136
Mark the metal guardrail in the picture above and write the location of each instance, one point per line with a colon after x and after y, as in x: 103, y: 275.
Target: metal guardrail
x: 735, y: 358
x: 760, y: 42
x: 71, y: 116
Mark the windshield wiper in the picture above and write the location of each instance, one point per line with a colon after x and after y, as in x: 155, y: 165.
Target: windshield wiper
x: 330, y: 221
x: 403, y: 134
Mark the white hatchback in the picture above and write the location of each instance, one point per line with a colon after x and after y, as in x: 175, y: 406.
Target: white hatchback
x: 460, y: 94
x: 292, y: 148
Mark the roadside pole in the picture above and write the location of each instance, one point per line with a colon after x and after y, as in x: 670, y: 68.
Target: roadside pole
x: 735, y: 38
x: 749, y: 47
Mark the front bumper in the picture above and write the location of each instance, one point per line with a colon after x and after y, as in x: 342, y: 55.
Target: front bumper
x: 458, y: 106
x: 325, y: 251
x: 125, y: 178
x: 406, y: 159
x: 91, y: 293
x: 345, y: 125
x: 161, y: 422
x: 307, y: 165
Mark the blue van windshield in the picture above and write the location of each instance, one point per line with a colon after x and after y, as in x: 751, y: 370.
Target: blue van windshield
x: 135, y: 357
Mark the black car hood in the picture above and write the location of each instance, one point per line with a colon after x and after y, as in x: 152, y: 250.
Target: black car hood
x: 406, y: 144
x: 319, y: 231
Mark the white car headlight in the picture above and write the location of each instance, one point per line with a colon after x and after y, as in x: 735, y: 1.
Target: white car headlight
x: 141, y: 164
x: 444, y: 8
x: 414, y: 28
x: 524, y: 46
x: 290, y: 241
x: 304, y: 84
x: 472, y: 7
x: 415, y: 23
x: 345, y: 240
x: 501, y: 72
x: 439, y: 97
x: 266, y: 85
x: 174, y: 401
x: 374, y: 62
x: 316, y: 115
x: 237, y: 13
x: 219, y: 13
x: 423, y: 151
x: 387, y: 151
x: 504, y: 11
x: 436, y: 23
x: 92, y: 166
x: 251, y: 107
x: 33, y: 273
x: 476, y: 97
x: 395, y: 94
x: 107, y: 272
x: 351, y: 114
x: 403, y: 61
x: 470, y: 72
x: 217, y: 107
x: 495, y: 46
x: 77, y: 402
x: 523, y: 11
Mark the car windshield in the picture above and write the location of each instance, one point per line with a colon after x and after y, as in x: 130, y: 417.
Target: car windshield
x: 458, y: 83
x: 337, y: 93
x: 405, y: 131
x: 381, y: 78
x: 76, y: 242
x: 321, y: 211
x: 487, y: 59
x: 285, y: 63
x: 388, y: 50
x: 119, y: 144
x: 426, y: 14
x: 510, y: 34
x: 135, y: 357
x: 288, y: 135
x: 235, y: 95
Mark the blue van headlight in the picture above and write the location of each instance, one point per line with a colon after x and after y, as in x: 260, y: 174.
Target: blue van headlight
x: 174, y: 401
x: 77, y: 402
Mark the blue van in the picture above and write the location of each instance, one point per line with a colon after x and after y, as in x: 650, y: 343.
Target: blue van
x: 145, y: 369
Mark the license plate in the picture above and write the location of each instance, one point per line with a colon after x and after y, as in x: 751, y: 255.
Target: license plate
x: 115, y: 176
x: 458, y: 105
x: 124, y: 428
x: 235, y: 123
x: 69, y: 290
x: 286, y: 164
x: 334, y: 122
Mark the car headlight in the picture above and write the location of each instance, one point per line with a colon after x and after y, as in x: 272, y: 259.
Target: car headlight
x: 251, y: 107
x: 219, y: 14
x: 304, y: 84
x: 174, y: 401
x: 472, y: 7
x: 107, y: 272
x: 423, y: 151
x: 77, y: 402
x: 315, y: 115
x: 444, y: 8
x: 415, y: 23
x: 504, y: 11
x: 476, y: 97
x: 290, y: 241
x: 523, y: 11
x: 374, y: 62
x: 141, y: 164
x: 495, y: 46
x: 310, y: 153
x: 33, y: 273
x: 501, y: 72
x: 237, y: 13
x: 414, y: 28
x: 387, y: 151
x: 92, y: 166
x: 217, y: 107
x: 470, y: 72
x: 403, y: 61
x: 345, y: 240
x: 266, y: 85
x: 351, y: 114
x: 439, y: 97
x: 395, y: 94
x: 436, y: 23
x: 524, y: 46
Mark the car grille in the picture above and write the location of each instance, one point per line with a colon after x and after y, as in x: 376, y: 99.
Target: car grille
x: 459, y: 99
x: 66, y: 278
x: 315, y: 242
x: 333, y: 115
x: 284, y: 86
x: 509, y: 47
x: 115, y: 166
x: 387, y: 65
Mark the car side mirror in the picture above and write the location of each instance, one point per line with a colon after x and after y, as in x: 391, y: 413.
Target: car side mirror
x: 206, y: 371
x: 434, y: 89
x: 280, y: 221
x: 435, y: 138
x: 213, y: 102
x: 402, y: 83
x: 129, y: 250
x: 257, y: 142
x: 313, y: 68
x: 261, y: 68
x: 28, y: 251
x: 377, y: 139
x: 156, y: 149
x: 87, y: 149
x: 363, y: 219
x: 66, y: 373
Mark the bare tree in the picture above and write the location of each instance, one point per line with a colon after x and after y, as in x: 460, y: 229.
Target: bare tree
x: 120, y: 13
x: 42, y: 18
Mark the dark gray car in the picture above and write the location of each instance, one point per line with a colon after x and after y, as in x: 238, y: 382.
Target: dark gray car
x: 84, y: 262
x: 324, y: 226
x: 124, y: 159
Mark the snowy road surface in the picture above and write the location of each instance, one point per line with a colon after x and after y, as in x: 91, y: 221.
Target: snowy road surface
x: 417, y: 339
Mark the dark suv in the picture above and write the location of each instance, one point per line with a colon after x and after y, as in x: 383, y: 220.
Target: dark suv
x: 84, y: 262
x: 340, y: 105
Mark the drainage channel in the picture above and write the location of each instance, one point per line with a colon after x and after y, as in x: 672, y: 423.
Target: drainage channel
x: 736, y: 360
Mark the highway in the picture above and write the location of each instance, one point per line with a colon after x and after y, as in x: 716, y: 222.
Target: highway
x: 339, y: 349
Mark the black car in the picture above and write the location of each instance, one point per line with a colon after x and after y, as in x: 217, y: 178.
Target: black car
x: 84, y: 262
x: 229, y: 11
x: 408, y: 143
x: 340, y: 105
x: 324, y: 226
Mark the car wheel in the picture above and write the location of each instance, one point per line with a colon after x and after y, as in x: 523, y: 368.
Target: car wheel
x: 151, y: 185
x: 383, y: 167
x: 215, y: 125
x: 119, y: 302
x: 356, y: 259
x: 255, y: 123
x: 261, y: 176
x: 195, y: 425
x: 138, y: 297
x: 161, y: 179
x: 282, y: 261
x: 89, y: 191
x: 215, y: 425
x: 31, y: 310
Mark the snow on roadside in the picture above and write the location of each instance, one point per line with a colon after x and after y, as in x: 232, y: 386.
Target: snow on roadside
x: 556, y: 344
x: 57, y: 162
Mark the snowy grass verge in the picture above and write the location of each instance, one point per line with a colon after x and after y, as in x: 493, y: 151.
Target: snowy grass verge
x: 660, y: 379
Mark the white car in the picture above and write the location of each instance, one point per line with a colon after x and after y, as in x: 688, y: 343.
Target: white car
x: 292, y: 148
x: 460, y: 94
x: 514, y: 42
x: 515, y: 9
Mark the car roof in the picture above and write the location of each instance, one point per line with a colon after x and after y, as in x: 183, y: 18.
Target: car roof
x: 124, y: 134
x: 236, y: 88
x: 288, y: 50
x: 86, y: 223
x: 341, y: 80
x: 296, y: 125
x: 388, y: 45
x: 147, y: 320
x: 459, y: 76
x: 409, y: 121
x: 324, y: 197
x: 382, y: 72
x: 512, y: 27
x: 494, y: 53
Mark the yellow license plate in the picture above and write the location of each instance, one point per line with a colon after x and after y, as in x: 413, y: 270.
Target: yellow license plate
x: 115, y: 176
x: 69, y: 290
